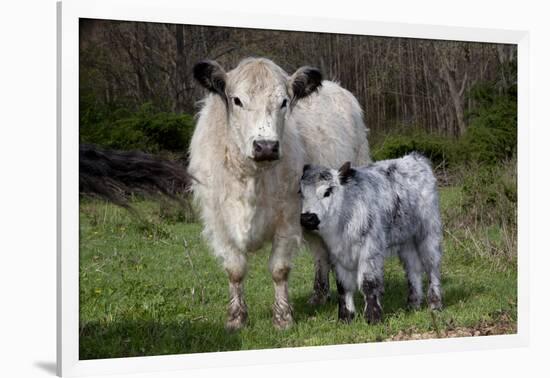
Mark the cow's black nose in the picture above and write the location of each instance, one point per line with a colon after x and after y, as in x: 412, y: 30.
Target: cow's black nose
x: 309, y: 221
x: 265, y: 150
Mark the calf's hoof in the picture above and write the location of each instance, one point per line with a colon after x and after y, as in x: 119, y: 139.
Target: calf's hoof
x: 436, y: 305
x: 434, y: 300
x: 236, y: 320
x: 318, y: 299
x: 373, y: 314
x: 413, y: 304
x: 345, y: 315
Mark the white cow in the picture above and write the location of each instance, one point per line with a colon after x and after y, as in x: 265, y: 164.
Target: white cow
x: 256, y: 130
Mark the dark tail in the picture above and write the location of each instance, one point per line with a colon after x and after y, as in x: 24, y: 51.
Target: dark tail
x: 113, y: 175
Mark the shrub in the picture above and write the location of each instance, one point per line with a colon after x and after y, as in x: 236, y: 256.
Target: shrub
x: 491, y: 136
x: 145, y: 130
x: 439, y: 149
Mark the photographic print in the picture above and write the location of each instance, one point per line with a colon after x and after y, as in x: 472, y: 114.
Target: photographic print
x: 254, y: 189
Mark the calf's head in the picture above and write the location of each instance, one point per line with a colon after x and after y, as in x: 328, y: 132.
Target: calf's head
x: 258, y: 96
x: 321, y: 192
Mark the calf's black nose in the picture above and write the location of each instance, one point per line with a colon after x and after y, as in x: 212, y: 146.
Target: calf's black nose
x: 309, y: 221
x: 265, y: 150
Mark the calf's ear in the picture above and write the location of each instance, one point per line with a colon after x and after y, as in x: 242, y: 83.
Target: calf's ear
x: 304, y: 82
x: 345, y: 173
x: 211, y: 76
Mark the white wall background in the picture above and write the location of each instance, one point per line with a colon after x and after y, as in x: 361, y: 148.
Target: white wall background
x: 28, y: 169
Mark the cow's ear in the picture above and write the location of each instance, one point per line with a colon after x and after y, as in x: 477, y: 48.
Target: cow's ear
x: 304, y: 82
x: 345, y: 173
x: 211, y: 76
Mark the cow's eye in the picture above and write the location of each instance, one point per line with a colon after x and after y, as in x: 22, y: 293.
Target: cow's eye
x: 284, y: 104
x: 328, y: 193
x: 237, y: 102
x: 300, y: 191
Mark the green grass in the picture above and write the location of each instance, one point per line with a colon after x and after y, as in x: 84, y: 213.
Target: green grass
x: 150, y: 286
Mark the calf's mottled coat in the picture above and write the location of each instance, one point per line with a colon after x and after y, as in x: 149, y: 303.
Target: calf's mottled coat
x: 363, y: 213
x: 255, y: 131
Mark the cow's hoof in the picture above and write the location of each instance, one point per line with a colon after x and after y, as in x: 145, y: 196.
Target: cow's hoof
x: 318, y: 299
x: 282, y: 323
x: 233, y: 325
x: 282, y: 318
x: 236, y: 321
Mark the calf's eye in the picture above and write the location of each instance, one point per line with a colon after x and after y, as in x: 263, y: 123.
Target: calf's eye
x: 237, y: 102
x: 284, y: 104
x: 328, y: 193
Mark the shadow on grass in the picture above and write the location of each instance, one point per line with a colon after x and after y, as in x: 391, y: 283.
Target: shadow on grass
x: 303, y: 310
x: 131, y: 338
x: 396, y: 291
x: 394, y: 299
x: 456, y: 294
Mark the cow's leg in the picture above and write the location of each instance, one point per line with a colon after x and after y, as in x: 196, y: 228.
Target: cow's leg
x: 279, y: 265
x: 237, y: 312
x: 429, y: 251
x: 413, y: 267
x: 370, y: 279
x: 321, y: 289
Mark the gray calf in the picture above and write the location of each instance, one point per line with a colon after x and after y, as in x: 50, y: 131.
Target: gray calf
x: 364, y: 213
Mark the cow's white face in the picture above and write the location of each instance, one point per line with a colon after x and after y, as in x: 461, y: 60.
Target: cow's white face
x: 259, y: 96
x: 257, y: 116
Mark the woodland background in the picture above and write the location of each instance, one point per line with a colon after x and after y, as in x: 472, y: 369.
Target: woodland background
x: 133, y: 73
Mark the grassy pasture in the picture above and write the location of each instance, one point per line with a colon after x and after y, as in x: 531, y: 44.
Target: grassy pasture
x: 149, y: 286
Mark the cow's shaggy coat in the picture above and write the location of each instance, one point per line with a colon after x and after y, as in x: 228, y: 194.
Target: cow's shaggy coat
x: 255, y: 131
x: 364, y: 213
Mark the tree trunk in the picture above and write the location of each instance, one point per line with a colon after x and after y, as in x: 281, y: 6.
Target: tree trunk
x: 181, y: 65
x: 456, y: 94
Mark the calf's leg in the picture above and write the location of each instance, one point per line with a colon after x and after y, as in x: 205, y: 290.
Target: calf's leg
x: 413, y: 267
x: 321, y: 289
x: 346, y: 307
x: 429, y: 251
x: 371, y: 280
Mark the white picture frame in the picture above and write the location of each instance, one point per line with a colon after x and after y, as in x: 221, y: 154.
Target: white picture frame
x: 69, y: 12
